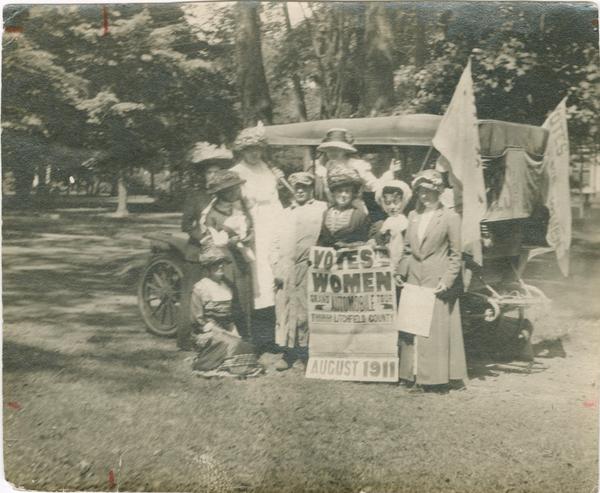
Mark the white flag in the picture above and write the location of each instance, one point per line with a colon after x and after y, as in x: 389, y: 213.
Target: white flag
x: 457, y: 140
x: 558, y: 199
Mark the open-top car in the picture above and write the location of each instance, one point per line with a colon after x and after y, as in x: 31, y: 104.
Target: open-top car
x: 513, y: 230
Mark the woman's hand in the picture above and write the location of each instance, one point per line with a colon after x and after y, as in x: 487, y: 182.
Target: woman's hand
x: 441, y: 288
x: 279, y: 175
x: 398, y: 280
x: 395, y: 165
x: 234, y: 240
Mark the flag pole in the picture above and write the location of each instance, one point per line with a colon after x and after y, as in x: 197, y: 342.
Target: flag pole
x: 424, y: 163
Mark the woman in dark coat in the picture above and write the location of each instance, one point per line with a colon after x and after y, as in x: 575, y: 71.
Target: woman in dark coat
x: 433, y: 259
x: 345, y: 223
x: 206, y: 160
x: 226, y: 225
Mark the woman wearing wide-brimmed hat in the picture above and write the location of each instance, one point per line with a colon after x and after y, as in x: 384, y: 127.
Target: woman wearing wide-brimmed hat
x: 433, y: 260
x: 338, y: 148
x: 260, y: 193
x: 206, y: 159
x: 226, y: 224
x: 346, y: 222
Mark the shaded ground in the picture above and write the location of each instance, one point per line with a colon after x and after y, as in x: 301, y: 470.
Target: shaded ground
x: 87, y: 391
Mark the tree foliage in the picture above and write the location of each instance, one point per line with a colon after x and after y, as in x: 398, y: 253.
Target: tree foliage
x: 165, y: 76
x: 143, y: 91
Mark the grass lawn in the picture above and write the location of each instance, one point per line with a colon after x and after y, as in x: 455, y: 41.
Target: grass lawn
x: 93, y: 402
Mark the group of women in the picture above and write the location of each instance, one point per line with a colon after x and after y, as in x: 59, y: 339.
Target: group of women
x: 246, y: 282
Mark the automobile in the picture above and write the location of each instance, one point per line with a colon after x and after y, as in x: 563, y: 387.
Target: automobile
x: 513, y: 230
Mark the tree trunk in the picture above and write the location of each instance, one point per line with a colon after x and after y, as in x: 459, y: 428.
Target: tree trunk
x: 378, y: 74
x: 23, y: 183
x: 122, y: 195
x: 298, y: 92
x: 420, y: 42
x: 252, y: 82
x: 42, y: 188
x: 152, y: 185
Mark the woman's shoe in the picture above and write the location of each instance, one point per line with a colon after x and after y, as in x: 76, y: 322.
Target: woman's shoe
x: 438, y: 389
x: 283, y: 365
x: 416, y: 389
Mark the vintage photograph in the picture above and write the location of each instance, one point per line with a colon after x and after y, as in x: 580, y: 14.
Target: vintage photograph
x: 297, y: 247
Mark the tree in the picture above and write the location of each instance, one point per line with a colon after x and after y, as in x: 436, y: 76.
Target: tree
x: 294, y: 69
x: 133, y: 96
x: 522, y: 64
x: 252, y: 82
x: 379, y: 63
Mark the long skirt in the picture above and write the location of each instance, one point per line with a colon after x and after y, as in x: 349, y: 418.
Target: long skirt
x: 439, y: 358
x: 291, y: 304
x: 223, y: 353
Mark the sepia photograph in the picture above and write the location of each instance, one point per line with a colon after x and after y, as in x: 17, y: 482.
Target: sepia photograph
x: 287, y: 247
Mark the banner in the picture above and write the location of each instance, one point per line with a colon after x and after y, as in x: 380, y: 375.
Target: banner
x: 558, y: 200
x: 457, y: 140
x: 351, y: 307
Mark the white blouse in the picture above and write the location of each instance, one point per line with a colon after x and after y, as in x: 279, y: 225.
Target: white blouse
x: 423, y: 223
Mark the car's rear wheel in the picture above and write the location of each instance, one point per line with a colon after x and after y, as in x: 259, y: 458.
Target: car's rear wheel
x: 159, y: 294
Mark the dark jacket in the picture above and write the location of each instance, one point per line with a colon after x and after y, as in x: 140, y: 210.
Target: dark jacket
x: 356, y: 231
x: 196, y: 200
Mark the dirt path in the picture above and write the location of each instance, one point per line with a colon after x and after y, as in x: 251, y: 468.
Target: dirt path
x: 91, y: 401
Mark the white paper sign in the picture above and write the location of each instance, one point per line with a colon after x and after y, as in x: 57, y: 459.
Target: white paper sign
x: 415, y: 310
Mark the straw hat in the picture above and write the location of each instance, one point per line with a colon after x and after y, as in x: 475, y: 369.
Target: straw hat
x: 203, y: 152
x: 222, y: 180
x: 430, y: 179
x: 337, y: 138
x: 212, y: 256
x: 342, y: 175
x: 250, y: 137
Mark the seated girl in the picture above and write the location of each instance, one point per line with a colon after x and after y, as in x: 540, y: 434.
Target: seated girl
x: 393, y: 197
x: 220, y: 349
x: 345, y: 223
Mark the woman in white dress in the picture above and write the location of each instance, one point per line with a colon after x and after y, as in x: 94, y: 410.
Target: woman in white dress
x: 260, y: 193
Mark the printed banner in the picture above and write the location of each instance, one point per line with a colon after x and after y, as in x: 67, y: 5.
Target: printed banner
x: 351, y: 307
x: 558, y: 201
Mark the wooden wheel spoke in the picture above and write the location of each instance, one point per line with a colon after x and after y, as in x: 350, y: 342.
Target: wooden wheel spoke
x: 158, y: 308
x: 171, y: 310
x: 153, y: 287
x: 159, y: 279
x: 163, y: 313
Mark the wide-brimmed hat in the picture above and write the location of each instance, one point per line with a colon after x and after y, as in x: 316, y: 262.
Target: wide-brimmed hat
x: 430, y: 179
x: 222, y: 180
x: 337, y: 138
x: 340, y: 175
x: 212, y: 256
x: 250, y: 137
x: 301, y: 178
x: 203, y: 153
x: 391, y: 186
